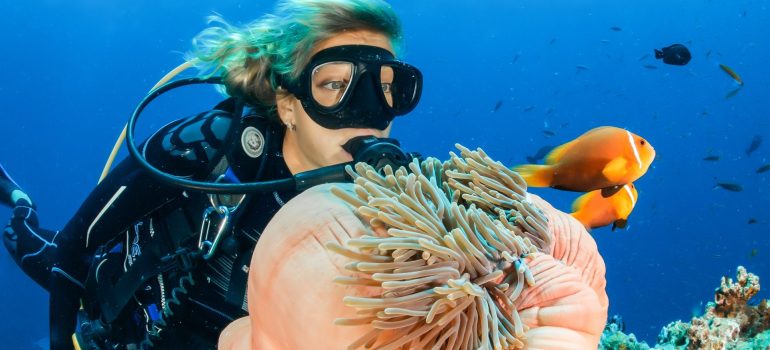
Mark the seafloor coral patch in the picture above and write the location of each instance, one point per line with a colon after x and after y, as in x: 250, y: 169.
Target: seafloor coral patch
x: 729, y: 322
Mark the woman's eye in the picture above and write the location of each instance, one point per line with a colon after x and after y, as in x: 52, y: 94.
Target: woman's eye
x: 335, y: 85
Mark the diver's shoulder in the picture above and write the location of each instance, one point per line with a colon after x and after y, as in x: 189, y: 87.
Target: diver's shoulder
x: 192, y: 145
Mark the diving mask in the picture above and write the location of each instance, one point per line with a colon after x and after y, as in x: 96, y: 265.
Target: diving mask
x: 356, y: 86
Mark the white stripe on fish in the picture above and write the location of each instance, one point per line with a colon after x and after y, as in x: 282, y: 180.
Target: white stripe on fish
x: 633, y: 147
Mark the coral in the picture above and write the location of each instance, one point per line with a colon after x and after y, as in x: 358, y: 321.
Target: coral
x: 674, y: 333
x: 613, y: 338
x: 729, y: 322
x: 731, y: 298
x: 712, y: 333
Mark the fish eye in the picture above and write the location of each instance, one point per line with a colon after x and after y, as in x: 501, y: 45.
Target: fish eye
x: 642, y: 142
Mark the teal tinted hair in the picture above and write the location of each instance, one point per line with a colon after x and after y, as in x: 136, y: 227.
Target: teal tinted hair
x: 252, y: 56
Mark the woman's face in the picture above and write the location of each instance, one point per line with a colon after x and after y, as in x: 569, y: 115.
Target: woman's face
x: 310, y: 146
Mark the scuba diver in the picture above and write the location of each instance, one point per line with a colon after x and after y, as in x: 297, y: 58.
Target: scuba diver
x: 157, y: 255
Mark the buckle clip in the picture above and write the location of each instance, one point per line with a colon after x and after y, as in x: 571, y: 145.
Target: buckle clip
x: 182, y: 259
x: 218, y: 216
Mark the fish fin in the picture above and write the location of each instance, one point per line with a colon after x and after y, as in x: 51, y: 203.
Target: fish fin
x: 615, y: 169
x: 580, y: 202
x: 658, y: 54
x: 535, y: 175
x: 608, y: 192
x: 557, y: 153
x: 619, y: 223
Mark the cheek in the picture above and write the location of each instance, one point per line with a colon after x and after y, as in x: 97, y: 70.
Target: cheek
x: 324, y: 144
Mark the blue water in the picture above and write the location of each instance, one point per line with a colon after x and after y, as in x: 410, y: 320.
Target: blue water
x: 73, y: 71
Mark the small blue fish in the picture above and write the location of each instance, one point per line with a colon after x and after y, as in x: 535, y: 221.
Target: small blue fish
x: 497, y: 106
x: 540, y: 154
x: 755, y: 143
x: 729, y: 186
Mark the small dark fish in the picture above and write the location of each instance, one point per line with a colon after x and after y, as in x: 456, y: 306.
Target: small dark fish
x: 497, y: 106
x: 649, y: 66
x: 743, y: 14
x: 754, y: 252
x: 552, y: 41
x: 515, y: 58
x: 582, y: 67
x: 704, y: 113
x: 732, y: 187
x: 549, y: 133
x: 763, y: 168
x: 733, y: 92
x: 604, y: 41
x: 755, y: 143
x: 529, y: 108
x: 711, y: 158
x: 616, y: 29
x: 708, y: 53
x: 550, y: 110
x: 752, y: 221
x: 540, y: 154
x: 676, y: 54
x: 644, y: 57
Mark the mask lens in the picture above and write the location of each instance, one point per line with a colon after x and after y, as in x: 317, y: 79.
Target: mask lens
x: 387, y: 78
x: 404, y: 88
x: 330, y: 82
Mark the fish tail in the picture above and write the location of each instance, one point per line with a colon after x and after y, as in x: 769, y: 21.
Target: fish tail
x: 619, y: 224
x: 535, y: 175
x: 579, y: 211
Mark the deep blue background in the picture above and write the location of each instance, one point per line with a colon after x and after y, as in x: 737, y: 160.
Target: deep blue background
x: 73, y: 71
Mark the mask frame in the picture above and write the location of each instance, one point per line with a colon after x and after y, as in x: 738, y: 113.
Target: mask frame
x: 364, y: 104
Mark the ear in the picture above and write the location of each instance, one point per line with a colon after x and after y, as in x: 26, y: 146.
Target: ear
x: 284, y: 102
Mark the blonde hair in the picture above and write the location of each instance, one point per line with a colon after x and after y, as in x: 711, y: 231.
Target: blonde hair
x: 251, y: 57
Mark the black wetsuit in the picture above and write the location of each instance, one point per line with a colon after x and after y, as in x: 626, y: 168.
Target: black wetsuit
x: 109, y: 238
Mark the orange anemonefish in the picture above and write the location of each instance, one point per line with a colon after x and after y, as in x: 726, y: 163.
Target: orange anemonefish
x: 593, y: 210
x: 603, y: 158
